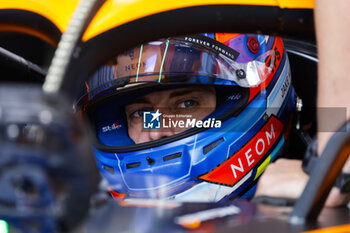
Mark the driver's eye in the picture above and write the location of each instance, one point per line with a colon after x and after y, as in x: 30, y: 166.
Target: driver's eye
x: 138, y: 113
x: 188, y: 104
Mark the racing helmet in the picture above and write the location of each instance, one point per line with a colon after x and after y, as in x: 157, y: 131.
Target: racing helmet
x: 220, y: 157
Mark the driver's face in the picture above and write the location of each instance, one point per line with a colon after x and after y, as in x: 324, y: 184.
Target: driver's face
x: 197, y: 101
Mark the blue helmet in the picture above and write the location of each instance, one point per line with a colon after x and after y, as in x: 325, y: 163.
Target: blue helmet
x: 212, y: 157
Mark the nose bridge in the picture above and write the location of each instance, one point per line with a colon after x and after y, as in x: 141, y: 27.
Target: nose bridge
x: 155, y: 134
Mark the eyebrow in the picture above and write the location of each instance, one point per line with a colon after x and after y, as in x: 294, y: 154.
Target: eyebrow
x: 141, y: 100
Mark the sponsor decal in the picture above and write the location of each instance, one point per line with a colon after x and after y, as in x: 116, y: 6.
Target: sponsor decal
x: 112, y: 127
x: 278, y: 95
x: 134, y: 66
x: 213, y: 45
x: 234, y: 168
x: 234, y: 97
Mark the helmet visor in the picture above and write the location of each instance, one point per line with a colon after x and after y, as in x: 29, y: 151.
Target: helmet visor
x: 192, y: 64
x: 195, y: 59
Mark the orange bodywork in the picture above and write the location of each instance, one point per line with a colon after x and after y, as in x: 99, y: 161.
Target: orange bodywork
x: 115, y: 13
